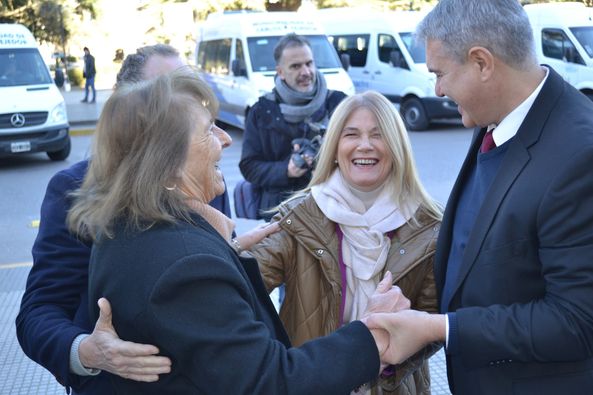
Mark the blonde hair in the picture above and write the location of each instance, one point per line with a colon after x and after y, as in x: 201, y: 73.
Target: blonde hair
x: 404, y: 177
x: 141, y: 144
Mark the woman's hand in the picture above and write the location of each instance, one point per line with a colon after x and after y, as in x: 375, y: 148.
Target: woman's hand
x: 257, y: 234
x: 387, y: 298
x: 104, y: 350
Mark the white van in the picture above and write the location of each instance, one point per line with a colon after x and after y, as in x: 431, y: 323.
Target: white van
x: 385, y: 57
x: 235, y: 55
x: 563, y: 35
x: 32, y: 110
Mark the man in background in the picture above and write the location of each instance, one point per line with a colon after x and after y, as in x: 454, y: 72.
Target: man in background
x: 89, y: 71
x: 298, y: 108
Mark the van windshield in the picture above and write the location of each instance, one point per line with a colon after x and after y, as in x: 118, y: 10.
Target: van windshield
x: 261, y: 52
x: 22, y: 66
x: 584, y: 35
x: 415, y: 48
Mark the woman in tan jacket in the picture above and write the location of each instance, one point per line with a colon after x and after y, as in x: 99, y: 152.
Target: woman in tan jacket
x: 364, y: 212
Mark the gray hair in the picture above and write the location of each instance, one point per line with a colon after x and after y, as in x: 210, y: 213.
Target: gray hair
x: 501, y: 26
x: 132, y: 67
x: 141, y: 143
x: 288, y: 41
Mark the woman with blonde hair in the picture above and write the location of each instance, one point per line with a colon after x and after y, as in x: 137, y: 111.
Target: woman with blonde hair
x: 164, y: 259
x: 364, y: 213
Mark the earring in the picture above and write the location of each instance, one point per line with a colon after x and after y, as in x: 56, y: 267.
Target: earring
x: 336, y: 161
x: 174, y: 187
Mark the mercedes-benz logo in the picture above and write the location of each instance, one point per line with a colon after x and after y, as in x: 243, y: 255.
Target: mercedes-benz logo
x: 17, y: 120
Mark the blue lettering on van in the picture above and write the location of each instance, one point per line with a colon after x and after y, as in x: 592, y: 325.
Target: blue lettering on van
x: 12, y: 39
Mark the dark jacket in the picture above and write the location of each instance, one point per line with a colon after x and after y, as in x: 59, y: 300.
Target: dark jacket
x: 183, y: 288
x: 267, y: 147
x: 89, y: 66
x: 523, y: 297
x: 54, y: 308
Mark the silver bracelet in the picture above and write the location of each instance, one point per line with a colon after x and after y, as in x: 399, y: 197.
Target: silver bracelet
x: 236, y: 245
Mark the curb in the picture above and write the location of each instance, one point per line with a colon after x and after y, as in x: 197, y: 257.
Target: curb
x: 82, y: 132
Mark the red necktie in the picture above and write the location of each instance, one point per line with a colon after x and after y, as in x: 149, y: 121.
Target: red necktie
x: 487, y: 142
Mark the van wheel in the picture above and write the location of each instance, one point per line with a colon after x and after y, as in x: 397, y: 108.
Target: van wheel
x: 61, y: 154
x: 414, y: 115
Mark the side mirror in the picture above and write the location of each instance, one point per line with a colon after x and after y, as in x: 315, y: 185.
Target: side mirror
x: 238, y: 68
x: 345, y: 59
x: 397, y: 60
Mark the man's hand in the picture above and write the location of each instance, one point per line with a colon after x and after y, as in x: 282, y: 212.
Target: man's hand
x: 409, y: 331
x: 257, y: 234
x: 104, y: 350
x: 387, y: 298
x: 293, y: 170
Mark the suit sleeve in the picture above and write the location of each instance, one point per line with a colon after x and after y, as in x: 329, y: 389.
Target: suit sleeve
x: 558, y: 326
x: 45, y: 324
x: 255, y: 163
x: 203, y: 314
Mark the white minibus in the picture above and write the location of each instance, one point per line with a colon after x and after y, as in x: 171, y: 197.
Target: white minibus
x: 235, y: 56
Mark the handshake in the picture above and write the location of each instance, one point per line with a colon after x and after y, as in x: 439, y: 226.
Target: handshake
x: 398, y: 331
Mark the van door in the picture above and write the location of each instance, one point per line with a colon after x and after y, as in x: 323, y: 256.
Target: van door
x: 388, y: 78
x: 561, y: 54
x: 356, y: 46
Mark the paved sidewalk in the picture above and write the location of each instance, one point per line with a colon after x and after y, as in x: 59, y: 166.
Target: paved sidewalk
x: 83, y: 114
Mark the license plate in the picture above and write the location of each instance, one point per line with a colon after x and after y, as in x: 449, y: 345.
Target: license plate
x: 20, y: 146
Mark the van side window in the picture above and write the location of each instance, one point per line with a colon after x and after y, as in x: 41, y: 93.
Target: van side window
x: 555, y: 44
x: 386, y: 44
x: 214, y: 56
x: 355, y: 45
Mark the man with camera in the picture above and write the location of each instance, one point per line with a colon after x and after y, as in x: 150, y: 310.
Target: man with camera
x: 284, y: 129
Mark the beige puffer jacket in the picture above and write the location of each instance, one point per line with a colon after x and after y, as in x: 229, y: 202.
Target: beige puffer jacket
x: 304, y: 256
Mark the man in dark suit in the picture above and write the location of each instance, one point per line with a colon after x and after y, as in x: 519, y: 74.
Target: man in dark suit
x: 514, y: 261
x: 53, y: 326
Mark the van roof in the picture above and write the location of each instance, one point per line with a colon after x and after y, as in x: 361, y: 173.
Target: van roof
x: 257, y: 24
x: 560, y: 14
x: 14, y: 35
x: 357, y: 20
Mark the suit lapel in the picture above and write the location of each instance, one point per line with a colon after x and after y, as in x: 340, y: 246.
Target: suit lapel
x: 513, y: 163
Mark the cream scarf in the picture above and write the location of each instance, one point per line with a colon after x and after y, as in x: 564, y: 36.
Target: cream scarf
x: 223, y: 224
x: 365, y: 245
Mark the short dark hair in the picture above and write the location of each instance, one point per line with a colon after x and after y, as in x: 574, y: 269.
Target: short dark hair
x: 86, y: 49
x: 133, y: 65
x: 288, y: 41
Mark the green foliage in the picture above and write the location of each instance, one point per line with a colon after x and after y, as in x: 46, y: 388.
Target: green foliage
x: 282, y: 5
x: 75, y: 77
x: 48, y: 20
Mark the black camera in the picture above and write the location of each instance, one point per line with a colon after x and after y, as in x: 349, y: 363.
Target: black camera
x: 308, y: 147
